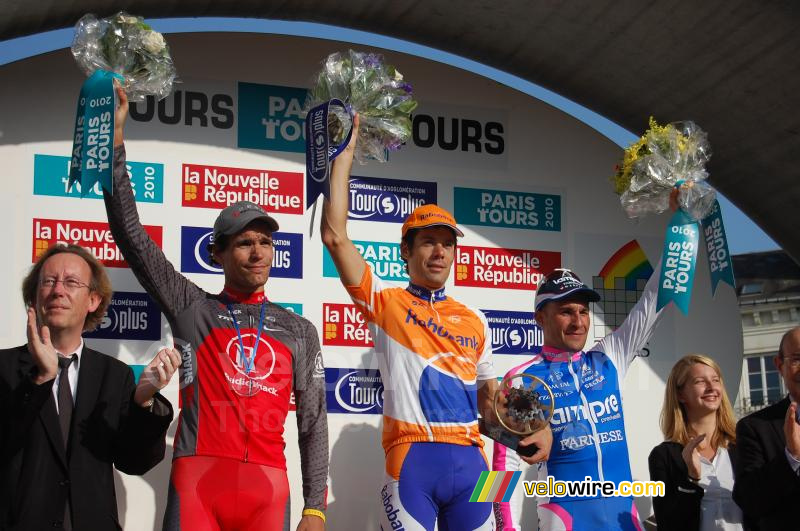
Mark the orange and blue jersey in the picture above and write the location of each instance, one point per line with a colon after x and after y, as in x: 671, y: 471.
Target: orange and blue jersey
x: 431, y: 350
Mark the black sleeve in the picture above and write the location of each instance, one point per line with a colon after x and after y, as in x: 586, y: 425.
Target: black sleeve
x: 762, y: 486
x: 679, y: 508
x: 172, y: 291
x: 141, y: 440
x: 312, y: 420
x: 20, y: 405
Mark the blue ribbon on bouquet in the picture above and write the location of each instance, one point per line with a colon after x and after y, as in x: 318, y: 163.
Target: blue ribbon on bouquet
x: 720, y: 264
x: 679, y: 257
x: 93, y: 140
x: 319, y: 150
x: 678, y: 262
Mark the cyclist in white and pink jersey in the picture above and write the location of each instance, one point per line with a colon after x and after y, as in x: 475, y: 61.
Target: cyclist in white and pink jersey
x: 435, y: 359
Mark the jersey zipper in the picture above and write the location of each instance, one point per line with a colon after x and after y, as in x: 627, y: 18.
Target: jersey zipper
x: 433, y: 307
x: 588, y: 414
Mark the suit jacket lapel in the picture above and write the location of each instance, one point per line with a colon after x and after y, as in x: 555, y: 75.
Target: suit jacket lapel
x: 780, y: 417
x: 48, y: 415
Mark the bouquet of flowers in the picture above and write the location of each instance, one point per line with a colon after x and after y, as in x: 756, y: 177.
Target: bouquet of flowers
x: 373, y: 89
x: 124, y: 44
x: 663, y: 157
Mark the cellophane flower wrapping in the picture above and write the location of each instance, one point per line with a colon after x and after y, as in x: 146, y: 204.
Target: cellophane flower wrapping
x: 125, y: 44
x: 653, y: 165
x: 373, y: 89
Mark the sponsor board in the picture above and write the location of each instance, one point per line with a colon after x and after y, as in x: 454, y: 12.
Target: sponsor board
x: 514, y: 332
x: 491, y: 267
x: 388, y: 200
x: 344, y: 326
x: 51, y: 177
x: 187, y: 108
x: 353, y: 391
x: 294, y: 307
x: 499, y: 208
x: 457, y: 136
x: 219, y: 186
x: 130, y: 315
x: 287, y: 261
x: 271, y: 117
x: 383, y: 258
x: 94, y: 236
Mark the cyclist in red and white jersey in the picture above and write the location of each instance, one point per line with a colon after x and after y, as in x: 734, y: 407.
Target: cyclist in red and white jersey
x: 243, y: 356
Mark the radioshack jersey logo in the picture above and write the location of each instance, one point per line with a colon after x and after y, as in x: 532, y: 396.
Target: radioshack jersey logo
x: 287, y: 261
x: 487, y: 267
x: 354, y: 391
x: 514, y: 332
x: 94, y: 236
x: 498, y: 208
x: 51, y: 177
x: 384, y: 258
x: 271, y: 117
x: 130, y: 316
x: 389, y: 200
x: 344, y: 326
x: 219, y: 186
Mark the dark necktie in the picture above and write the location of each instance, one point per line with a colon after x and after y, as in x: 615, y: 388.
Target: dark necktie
x: 65, y: 404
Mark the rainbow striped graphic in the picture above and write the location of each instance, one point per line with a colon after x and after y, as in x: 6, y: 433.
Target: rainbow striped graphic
x: 630, y: 263
x: 495, y: 487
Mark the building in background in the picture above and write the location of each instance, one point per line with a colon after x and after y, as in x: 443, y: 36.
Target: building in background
x: 768, y: 289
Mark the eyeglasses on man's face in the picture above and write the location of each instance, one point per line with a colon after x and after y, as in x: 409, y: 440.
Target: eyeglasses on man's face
x: 70, y: 284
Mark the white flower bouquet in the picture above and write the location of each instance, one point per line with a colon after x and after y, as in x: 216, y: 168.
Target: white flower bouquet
x: 373, y: 89
x: 126, y: 45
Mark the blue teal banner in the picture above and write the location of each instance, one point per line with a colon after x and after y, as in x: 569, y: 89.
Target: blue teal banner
x: 51, y: 177
x: 720, y: 264
x: 270, y: 117
x: 678, y: 262
x: 320, y: 151
x: 93, y: 140
x: 384, y: 258
x: 294, y: 307
x: 502, y: 208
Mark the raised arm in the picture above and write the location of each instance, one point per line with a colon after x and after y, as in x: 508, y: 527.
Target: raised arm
x: 155, y: 273
x: 333, y: 230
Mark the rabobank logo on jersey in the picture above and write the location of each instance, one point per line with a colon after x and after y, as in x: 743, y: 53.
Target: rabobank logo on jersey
x: 514, y: 332
x: 389, y: 200
x: 271, y: 117
x: 383, y: 257
x: 287, y: 261
x: 51, y: 177
x: 354, y: 391
x: 130, y: 316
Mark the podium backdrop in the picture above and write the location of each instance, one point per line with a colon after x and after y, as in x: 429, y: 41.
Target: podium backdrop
x: 527, y: 183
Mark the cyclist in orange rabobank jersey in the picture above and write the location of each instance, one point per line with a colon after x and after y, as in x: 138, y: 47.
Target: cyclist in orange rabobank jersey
x: 435, y: 359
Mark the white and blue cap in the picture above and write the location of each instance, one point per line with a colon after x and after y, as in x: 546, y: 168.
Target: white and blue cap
x: 562, y: 284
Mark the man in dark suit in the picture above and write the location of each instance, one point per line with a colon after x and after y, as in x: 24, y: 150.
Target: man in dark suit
x: 68, y: 414
x: 767, y: 484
